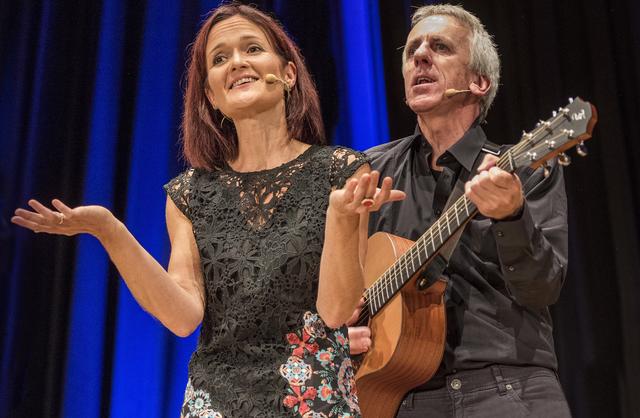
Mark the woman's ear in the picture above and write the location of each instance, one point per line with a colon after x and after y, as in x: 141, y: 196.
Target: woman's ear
x: 480, y: 87
x: 290, y: 74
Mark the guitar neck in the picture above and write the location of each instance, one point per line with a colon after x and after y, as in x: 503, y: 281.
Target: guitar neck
x: 417, y: 256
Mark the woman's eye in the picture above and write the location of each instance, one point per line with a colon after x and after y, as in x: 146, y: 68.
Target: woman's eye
x: 254, y: 48
x: 218, y: 59
x: 441, y: 47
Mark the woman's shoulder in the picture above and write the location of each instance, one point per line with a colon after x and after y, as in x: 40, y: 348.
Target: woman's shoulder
x: 181, y: 181
x: 339, y: 154
x: 339, y: 162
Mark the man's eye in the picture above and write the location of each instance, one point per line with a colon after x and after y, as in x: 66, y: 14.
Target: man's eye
x: 441, y: 47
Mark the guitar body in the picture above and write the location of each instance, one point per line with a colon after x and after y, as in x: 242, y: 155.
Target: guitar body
x: 408, y: 334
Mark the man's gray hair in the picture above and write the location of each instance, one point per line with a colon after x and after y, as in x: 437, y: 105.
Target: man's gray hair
x: 484, y: 59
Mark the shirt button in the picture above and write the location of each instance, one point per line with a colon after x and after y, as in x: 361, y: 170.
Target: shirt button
x: 511, y: 268
x: 508, y: 386
x: 456, y: 384
x: 500, y: 234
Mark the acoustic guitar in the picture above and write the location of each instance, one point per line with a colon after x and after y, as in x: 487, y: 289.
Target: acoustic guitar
x: 403, y: 308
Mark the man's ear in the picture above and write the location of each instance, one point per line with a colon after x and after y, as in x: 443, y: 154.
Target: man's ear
x: 290, y: 74
x: 481, y: 86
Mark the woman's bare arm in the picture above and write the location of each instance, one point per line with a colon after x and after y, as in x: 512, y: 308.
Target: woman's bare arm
x: 341, y: 282
x: 174, y: 296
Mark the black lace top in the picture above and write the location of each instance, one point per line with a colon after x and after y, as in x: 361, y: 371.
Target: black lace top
x: 263, y: 351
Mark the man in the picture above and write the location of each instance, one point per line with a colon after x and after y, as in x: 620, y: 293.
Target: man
x: 510, y: 262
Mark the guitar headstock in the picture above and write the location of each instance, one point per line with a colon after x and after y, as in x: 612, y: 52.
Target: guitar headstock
x: 569, y: 126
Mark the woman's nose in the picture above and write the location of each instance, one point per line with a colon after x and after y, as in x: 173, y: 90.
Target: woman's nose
x: 237, y: 60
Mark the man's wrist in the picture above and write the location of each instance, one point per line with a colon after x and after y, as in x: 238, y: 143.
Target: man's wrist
x: 514, y: 216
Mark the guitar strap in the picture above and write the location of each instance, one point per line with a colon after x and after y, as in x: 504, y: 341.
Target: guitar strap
x: 435, y: 268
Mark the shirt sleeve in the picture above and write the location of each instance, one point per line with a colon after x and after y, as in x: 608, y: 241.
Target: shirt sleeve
x: 533, y: 249
x: 179, y: 189
x: 344, y: 163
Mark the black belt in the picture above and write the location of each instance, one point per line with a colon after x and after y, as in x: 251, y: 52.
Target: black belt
x: 483, y: 376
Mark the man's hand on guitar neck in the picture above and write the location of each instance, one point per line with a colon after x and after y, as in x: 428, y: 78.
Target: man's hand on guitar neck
x: 496, y: 193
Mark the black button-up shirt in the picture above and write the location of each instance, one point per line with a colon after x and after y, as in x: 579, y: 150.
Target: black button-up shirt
x: 502, y: 274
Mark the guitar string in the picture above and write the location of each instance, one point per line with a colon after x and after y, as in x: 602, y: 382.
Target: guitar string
x: 382, y: 284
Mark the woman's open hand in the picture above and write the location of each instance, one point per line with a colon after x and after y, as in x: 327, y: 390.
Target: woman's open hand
x: 362, y: 195
x: 94, y: 220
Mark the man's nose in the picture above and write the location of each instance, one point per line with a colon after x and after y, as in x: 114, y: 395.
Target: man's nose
x: 423, y: 53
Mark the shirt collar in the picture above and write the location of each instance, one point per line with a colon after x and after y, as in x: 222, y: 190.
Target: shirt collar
x: 465, y: 150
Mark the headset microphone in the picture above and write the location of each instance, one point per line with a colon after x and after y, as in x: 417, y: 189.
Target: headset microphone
x: 449, y: 93
x: 272, y: 78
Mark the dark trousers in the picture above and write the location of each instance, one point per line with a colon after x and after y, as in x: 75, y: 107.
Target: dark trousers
x: 494, y: 391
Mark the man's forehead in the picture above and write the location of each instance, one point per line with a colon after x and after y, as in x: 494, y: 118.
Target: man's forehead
x: 438, y: 25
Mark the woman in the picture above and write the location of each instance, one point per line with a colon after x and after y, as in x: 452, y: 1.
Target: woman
x: 264, y: 229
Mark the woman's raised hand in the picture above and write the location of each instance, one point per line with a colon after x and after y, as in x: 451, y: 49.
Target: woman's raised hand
x: 362, y: 195
x: 94, y: 220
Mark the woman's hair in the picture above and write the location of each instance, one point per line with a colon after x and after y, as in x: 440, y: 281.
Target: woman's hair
x: 208, y: 140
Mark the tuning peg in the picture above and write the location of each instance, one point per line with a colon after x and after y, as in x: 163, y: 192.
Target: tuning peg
x: 546, y: 169
x: 563, y: 159
x: 581, y: 149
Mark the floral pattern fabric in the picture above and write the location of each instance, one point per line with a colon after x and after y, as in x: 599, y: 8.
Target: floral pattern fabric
x: 319, y: 372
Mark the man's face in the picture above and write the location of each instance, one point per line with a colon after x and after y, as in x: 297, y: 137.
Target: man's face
x: 436, y: 58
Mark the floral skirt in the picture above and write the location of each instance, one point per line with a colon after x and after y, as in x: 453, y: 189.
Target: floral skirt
x: 316, y: 374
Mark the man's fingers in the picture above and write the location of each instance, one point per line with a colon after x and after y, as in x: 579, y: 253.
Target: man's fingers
x: 359, y: 339
x: 488, y: 162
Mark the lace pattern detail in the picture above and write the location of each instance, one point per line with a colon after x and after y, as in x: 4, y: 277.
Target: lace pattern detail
x: 179, y: 191
x: 260, y: 238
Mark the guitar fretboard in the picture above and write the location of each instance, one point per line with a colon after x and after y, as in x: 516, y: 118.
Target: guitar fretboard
x: 413, y: 259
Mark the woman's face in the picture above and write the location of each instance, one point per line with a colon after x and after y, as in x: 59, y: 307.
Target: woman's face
x: 239, y: 56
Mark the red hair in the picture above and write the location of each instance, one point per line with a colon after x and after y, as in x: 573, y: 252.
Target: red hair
x: 209, y: 143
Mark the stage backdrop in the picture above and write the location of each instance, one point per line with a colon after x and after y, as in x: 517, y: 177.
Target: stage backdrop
x: 90, y: 103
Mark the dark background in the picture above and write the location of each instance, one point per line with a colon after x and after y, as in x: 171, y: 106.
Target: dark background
x: 550, y: 50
